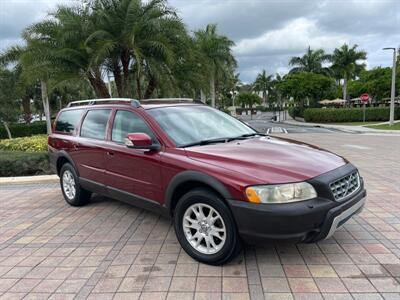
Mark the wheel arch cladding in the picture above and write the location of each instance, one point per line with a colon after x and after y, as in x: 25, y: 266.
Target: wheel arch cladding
x: 63, y: 158
x: 185, y: 181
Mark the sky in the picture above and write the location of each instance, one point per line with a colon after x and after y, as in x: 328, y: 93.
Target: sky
x: 267, y: 33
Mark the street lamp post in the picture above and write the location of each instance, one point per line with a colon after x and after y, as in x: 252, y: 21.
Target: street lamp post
x: 391, y: 118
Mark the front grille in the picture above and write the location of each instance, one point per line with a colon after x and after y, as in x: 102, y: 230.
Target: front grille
x: 345, y: 186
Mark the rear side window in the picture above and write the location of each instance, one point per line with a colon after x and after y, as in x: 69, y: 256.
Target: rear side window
x: 95, y: 123
x: 128, y: 122
x: 68, y: 120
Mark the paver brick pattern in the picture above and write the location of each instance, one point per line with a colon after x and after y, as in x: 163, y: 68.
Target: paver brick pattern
x: 110, y: 250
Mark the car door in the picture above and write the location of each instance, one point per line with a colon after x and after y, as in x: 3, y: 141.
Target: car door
x: 133, y: 171
x: 91, y: 147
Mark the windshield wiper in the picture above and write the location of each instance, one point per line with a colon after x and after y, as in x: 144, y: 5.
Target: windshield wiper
x: 222, y: 140
x: 206, y: 142
x: 252, y: 134
x: 244, y: 136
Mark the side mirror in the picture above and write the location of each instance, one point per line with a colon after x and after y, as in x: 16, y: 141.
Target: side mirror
x: 140, y: 141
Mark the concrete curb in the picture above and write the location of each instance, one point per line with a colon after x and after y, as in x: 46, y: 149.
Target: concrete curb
x: 29, y: 179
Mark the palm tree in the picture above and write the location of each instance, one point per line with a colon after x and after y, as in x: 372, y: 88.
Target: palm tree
x: 311, y: 61
x: 217, y: 55
x: 263, y: 83
x: 345, y: 63
x: 57, y: 46
x: 133, y: 37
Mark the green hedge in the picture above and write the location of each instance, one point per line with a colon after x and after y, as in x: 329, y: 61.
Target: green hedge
x: 21, y: 129
x: 23, y: 163
x: 296, y: 112
x: 36, y: 143
x: 337, y: 115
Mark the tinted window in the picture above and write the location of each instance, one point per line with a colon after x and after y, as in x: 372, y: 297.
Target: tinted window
x: 127, y: 122
x: 195, y: 123
x: 95, y: 123
x: 68, y: 120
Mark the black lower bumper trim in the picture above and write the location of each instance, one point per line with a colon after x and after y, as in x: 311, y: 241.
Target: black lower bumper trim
x: 305, y: 221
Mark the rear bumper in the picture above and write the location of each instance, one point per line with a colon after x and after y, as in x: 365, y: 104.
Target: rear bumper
x: 305, y: 221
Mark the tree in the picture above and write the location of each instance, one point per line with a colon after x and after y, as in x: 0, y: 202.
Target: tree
x: 216, y: 51
x: 345, y: 63
x: 248, y: 99
x: 135, y: 39
x: 311, y: 61
x: 264, y: 83
x: 57, y: 46
x: 9, y: 106
x: 306, y: 85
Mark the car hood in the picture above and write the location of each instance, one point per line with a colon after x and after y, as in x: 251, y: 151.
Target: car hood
x: 268, y: 159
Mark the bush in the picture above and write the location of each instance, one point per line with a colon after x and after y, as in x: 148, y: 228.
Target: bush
x: 296, y: 112
x: 21, y: 130
x: 337, y: 115
x: 24, y: 163
x: 37, y: 143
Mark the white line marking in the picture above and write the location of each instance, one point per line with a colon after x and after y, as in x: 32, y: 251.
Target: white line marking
x: 355, y: 147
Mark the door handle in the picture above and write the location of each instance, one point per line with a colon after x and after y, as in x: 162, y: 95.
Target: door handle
x: 109, y: 153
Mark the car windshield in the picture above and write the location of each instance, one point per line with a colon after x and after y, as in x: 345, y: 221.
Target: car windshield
x: 192, y: 125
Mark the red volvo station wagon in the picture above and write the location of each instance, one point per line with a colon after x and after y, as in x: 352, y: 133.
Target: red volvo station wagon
x: 220, y: 180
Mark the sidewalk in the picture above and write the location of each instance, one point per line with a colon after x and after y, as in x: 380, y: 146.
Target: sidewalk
x: 29, y: 179
x: 345, y: 128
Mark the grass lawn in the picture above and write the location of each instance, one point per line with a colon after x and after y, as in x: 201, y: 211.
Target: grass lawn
x: 396, y: 126
x: 355, y: 123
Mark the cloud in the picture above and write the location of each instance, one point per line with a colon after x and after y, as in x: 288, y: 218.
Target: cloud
x: 267, y: 33
x: 16, y: 15
x: 291, y: 39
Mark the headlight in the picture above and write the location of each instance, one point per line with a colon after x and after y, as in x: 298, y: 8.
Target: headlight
x: 280, y: 193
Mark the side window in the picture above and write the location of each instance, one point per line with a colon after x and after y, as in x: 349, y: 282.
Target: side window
x: 128, y: 122
x: 67, y: 120
x: 95, y: 123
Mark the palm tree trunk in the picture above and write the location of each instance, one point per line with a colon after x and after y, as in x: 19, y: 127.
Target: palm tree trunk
x: 46, y: 105
x: 150, y: 87
x: 202, y: 96
x: 265, y: 98
x: 26, y: 105
x: 212, y: 91
x: 99, y: 87
x: 118, y: 79
x: 345, y: 88
x: 7, y: 129
x: 138, y: 87
x: 125, y: 60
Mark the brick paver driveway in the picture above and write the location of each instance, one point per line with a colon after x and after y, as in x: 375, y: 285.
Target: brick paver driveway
x: 108, y: 249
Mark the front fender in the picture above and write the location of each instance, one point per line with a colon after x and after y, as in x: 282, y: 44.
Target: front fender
x: 188, y: 176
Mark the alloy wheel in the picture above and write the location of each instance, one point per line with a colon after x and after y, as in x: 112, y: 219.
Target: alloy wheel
x: 204, y: 228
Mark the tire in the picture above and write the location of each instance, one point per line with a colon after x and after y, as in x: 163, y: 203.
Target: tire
x: 189, y: 233
x: 73, y: 193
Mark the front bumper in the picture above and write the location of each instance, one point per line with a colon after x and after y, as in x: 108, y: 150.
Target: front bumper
x: 305, y: 221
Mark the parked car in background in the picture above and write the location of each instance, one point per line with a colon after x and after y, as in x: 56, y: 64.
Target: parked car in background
x: 221, y: 181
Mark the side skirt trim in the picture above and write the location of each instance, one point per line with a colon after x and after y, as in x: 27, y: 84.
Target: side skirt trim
x: 123, y: 196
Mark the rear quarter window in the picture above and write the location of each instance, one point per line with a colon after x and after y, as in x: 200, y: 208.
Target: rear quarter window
x: 68, y: 120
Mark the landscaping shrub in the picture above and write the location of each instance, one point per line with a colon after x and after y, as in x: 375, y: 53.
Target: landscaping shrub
x: 21, y: 130
x: 36, y: 143
x: 24, y: 163
x: 337, y: 115
x: 296, y: 112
